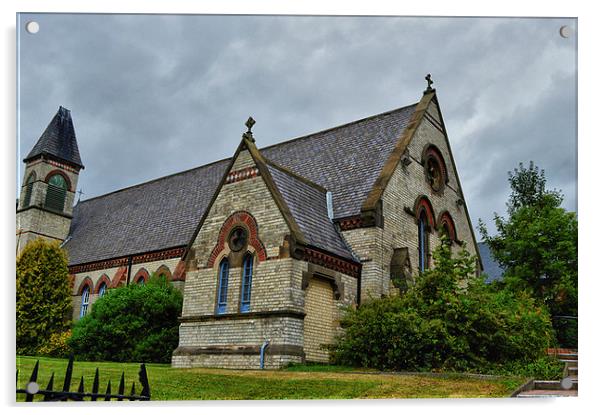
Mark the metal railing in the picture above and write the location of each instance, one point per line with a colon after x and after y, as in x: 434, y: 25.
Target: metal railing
x: 33, y: 388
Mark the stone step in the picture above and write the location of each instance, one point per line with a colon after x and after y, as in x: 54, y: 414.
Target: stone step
x: 570, y: 362
x: 573, y: 370
x: 553, y: 385
x: 570, y: 356
x: 544, y: 393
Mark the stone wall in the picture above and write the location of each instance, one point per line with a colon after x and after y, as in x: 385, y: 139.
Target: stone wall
x: 375, y: 245
x: 94, y: 277
x: 277, y: 310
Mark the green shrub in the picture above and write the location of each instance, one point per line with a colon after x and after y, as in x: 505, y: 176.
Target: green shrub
x: 56, y: 345
x: 543, y: 368
x: 43, y: 295
x: 450, y: 320
x: 137, y: 323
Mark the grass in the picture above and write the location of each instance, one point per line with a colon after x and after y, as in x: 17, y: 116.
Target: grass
x: 296, y: 382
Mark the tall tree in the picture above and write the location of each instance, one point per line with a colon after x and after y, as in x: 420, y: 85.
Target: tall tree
x: 537, y: 244
x: 43, y: 294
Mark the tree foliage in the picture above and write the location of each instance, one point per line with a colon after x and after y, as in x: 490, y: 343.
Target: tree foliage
x: 43, y: 295
x: 136, y: 323
x: 537, y: 245
x: 448, y: 320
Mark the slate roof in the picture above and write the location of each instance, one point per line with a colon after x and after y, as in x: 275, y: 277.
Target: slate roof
x: 307, y: 204
x: 164, y: 213
x: 58, y: 140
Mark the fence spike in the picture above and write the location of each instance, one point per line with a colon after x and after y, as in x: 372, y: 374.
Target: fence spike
x: 34, y: 374
x: 32, y: 378
x: 80, y: 389
x: 121, y: 389
x: 49, y: 388
x: 95, y: 385
x: 108, y: 392
x: 68, y: 374
x: 133, y: 391
x: 144, y: 381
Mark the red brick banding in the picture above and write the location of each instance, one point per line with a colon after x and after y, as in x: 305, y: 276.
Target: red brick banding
x: 142, y: 273
x: 104, y: 278
x: 87, y: 282
x: 424, y: 204
x: 445, y: 219
x: 240, y: 218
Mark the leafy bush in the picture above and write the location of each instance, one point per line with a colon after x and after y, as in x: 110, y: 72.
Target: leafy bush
x: 56, y: 345
x: 43, y: 294
x: 137, y: 323
x: 545, y: 367
x: 450, y: 320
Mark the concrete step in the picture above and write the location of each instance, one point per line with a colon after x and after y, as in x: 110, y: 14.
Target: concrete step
x: 569, y: 356
x: 570, y: 362
x: 573, y: 370
x: 553, y: 385
x: 544, y: 393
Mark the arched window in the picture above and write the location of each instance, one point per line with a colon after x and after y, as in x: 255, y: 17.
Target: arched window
x: 102, y: 290
x: 56, y: 193
x: 247, y: 280
x: 140, y: 280
x: 222, y: 291
x: 422, y: 242
x: 29, y: 189
x: 85, y: 301
x: 447, y: 226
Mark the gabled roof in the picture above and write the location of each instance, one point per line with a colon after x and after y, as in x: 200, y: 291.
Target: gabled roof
x: 165, y: 212
x: 58, y: 140
x: 307, y: 204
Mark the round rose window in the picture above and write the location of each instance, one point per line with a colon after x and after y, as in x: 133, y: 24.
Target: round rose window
x: 237, y: 239
x: 434, y: 173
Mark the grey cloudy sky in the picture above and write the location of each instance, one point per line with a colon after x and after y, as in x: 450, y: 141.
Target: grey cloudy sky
x: 152, y: 95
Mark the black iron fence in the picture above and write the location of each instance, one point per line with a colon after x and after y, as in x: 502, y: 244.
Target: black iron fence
x: 33, y: 388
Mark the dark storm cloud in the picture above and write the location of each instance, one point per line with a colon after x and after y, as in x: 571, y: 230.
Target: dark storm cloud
x: 154, y: 95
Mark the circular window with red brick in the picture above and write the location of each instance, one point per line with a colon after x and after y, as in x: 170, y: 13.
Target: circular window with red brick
x: 434, y: 168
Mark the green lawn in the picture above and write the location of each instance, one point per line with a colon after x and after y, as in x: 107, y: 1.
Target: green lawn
x: 298, y: 382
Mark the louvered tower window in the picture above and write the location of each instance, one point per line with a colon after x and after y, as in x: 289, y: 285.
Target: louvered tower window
x: 56, y: 193
x: 29, y: 189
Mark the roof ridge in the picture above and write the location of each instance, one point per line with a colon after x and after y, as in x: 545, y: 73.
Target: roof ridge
x: 295, y: 175
x: 261, y: 150
x: 155, y: 180
x: 339, y: 126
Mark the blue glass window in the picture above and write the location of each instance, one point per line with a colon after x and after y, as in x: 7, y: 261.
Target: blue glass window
x: 103, y: 289
x: 247, y: 280
x: 85, y: 301
x: 222, y: 291
x: 422, y: 243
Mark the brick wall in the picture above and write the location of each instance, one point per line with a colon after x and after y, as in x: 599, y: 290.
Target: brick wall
x: 375, y: 246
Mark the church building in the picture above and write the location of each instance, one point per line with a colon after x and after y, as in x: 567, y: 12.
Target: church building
x: 268, y: 246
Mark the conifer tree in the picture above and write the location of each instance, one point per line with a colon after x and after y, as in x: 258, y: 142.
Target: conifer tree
x: 43, y: 294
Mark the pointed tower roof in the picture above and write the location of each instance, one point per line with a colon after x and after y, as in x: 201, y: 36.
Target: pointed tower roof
x: 58, y: 140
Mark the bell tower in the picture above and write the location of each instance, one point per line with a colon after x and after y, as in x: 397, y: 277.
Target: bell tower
x: 47, y: 193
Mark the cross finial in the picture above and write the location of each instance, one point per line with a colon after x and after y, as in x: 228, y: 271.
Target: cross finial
x: 249, y: 134
x: 429, y: 82
x: 80, y: 193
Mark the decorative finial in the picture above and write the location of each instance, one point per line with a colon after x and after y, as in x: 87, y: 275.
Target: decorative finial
x: 429, y: 82
x: 79, y: 193
x: 249, y: 134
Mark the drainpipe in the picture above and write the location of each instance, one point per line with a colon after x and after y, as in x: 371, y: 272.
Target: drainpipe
x: 129, y: 270
x: 262, y: 353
